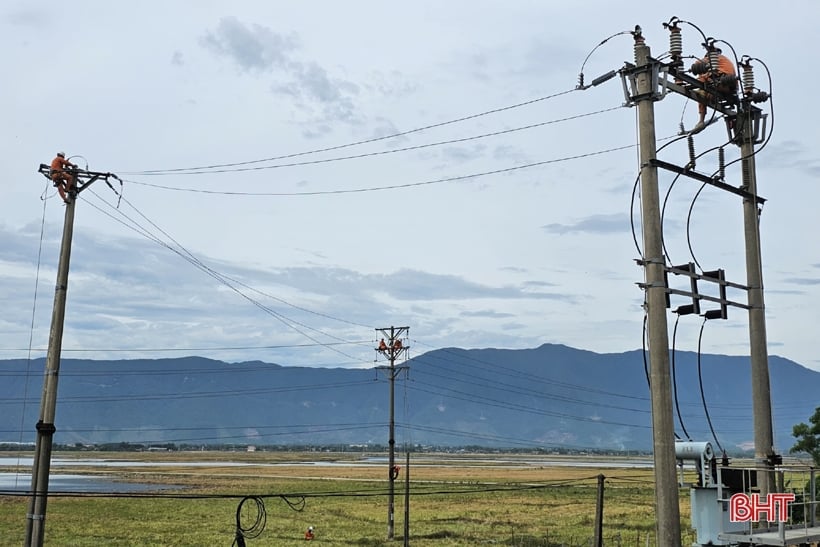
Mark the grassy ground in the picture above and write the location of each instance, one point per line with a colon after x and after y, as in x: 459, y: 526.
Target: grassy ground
x: 454, y: 502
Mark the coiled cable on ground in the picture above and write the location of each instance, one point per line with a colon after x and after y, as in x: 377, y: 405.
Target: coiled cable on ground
x: 256, y: 527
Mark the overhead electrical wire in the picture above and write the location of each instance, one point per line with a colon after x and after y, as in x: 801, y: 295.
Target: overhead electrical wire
x: 141, y: 371
x: 675, y: 380
x: 357, y: 143
x: 692, y: 207
x: 390, y: 186
x: 224, y: 278
x: 666, y: 199
x: 457, y: 488
x: 378, y: 152
x: 702, y: 394
x: 454, y: 178
x: 461, y: 359
x: 672, y: 139
x: 495, y: 367
x: 602, y: 42
x: 202, y: 348
x: 189, y: 257
x: 519, y: 390
x: 31, y: 329
x: 464, y: 434
x: 199, y: 394
x: 257, y: 437
x: 469, y: 397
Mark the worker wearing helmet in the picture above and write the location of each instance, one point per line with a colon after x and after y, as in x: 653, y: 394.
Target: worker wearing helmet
x: 722, y: 78
x: 309, y: 535
x: 62, y: 178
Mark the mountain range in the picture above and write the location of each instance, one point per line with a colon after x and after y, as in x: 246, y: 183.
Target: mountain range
x: 550, y: 397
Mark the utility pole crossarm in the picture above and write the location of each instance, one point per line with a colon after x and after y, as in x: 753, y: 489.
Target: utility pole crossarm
x: 706, y: 179
x: 84, y: 178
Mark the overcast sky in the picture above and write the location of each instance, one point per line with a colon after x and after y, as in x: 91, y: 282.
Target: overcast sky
x: 397, y: 231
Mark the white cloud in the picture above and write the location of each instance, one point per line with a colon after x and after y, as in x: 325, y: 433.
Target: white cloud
x: 252, y: 47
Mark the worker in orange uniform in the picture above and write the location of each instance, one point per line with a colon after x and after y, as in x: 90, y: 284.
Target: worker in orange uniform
x: 723, y: 78
x: 397, y: 344
x: 63, y: 180
x: 309, y: 534
x: 382, y: 345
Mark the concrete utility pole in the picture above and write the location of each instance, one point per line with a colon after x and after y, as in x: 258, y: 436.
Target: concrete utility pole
x: 35, y: 519
x: 392, y: 348
x: 663, y: 429
x: 45, y: 425
x: 747, y: 120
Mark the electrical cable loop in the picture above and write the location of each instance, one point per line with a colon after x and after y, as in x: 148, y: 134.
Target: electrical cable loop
x: 257, y: 523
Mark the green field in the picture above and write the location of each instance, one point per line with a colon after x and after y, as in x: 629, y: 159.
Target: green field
x: 454, y: 501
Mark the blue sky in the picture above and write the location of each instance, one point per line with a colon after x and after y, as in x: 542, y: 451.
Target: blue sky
x: 304, y: 261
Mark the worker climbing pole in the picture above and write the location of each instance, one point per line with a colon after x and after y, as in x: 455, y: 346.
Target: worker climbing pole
x: 70, y: 182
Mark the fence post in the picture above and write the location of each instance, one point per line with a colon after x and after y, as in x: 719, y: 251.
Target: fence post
x: 599, y: 514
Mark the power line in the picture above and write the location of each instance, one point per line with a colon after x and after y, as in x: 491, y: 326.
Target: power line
x: 199, y: 394
x: 421, y: 490
x: 379, y: 152
x: 495, y: 367
x: 469, y: 397
x: 511, y: 388
x: 190, y: 258
x: 357, y: 143
x: 203, y: 348
x: 386, y: 187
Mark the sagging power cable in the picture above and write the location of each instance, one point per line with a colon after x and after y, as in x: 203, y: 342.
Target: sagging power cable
x: 672, y: 139
x: 387, y: 187
x: 702, y: 395
x: 604, y: 77
x: 186, y: 255
x: 205, y: 171
x: 675, y: 381
x: 357, y: 143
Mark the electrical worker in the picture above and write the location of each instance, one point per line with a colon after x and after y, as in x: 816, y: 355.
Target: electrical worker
x: 397, y: 344
x: 63, y: 180
x: 309, y: 534
x: 382, y: 345
x: 722, y: 78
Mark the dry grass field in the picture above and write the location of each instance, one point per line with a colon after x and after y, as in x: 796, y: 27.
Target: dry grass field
x: 455, y: 500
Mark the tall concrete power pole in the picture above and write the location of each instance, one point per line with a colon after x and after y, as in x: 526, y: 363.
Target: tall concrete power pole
x: 663, y: 428
x: 36, y: 517
x: 748, y: 120
x: 48, y: 404
x: 391, y: 346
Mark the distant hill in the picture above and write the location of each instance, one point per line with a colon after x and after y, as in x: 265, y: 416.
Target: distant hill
x: 552, y: 396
